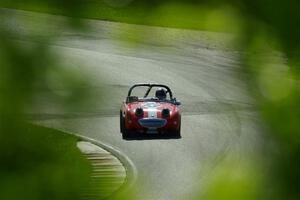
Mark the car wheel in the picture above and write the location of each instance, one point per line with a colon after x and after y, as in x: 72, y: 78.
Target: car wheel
x: 126, y: 133
x: 178, y: 132
x: 121, y: 122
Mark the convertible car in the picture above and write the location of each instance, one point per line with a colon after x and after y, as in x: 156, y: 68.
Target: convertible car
x: 150, y: 109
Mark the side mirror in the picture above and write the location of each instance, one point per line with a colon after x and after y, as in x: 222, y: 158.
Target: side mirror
x: 178, y: 103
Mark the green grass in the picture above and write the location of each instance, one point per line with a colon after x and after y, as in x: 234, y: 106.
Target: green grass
x: 90, y: 9
x: 41, y: 163
x: 174, y: 15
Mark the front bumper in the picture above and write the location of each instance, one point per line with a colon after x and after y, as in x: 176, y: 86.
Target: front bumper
x: 152, y: 122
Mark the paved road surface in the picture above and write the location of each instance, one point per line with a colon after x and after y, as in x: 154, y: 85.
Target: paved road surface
x: 218, y: 120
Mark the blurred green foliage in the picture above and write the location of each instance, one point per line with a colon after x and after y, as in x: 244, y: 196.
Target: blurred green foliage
x: 36, y: 162
x: 264, y: 28
x: 40, y: 163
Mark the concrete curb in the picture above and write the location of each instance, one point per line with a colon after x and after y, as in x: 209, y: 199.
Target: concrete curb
x: 131, y: 171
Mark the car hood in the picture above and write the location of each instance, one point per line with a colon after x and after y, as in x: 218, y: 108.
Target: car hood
x: 150, y: 106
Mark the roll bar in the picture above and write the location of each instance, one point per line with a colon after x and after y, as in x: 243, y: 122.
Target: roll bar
x: 149, y: 89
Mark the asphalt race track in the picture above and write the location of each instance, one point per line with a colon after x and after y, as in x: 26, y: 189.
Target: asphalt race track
x: 218, y: 118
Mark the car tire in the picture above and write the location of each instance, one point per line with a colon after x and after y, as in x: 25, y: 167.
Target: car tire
x: 125, y: 134
x: 121, y: 122
x: 178, y: 132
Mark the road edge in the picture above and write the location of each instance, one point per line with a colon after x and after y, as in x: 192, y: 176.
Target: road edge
x: 131, y: 171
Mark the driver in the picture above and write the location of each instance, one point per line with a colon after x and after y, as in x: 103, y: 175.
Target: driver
x: 161, y: 94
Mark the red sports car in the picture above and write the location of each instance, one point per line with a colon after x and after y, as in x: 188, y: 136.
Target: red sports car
x: 150, y: 109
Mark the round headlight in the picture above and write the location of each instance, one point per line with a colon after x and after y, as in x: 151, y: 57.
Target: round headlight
x: 165, y: 112
x: 139, y: 112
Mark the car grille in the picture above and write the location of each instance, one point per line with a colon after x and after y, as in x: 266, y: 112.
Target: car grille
x: 152, y: 123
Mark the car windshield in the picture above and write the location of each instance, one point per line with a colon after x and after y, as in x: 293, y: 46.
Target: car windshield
x: 144, y: 94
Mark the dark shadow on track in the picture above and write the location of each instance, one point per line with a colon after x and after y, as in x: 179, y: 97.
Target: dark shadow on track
x: 139, y: 136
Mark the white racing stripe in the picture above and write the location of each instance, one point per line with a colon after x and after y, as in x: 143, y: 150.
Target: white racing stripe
x: 152, y: 113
